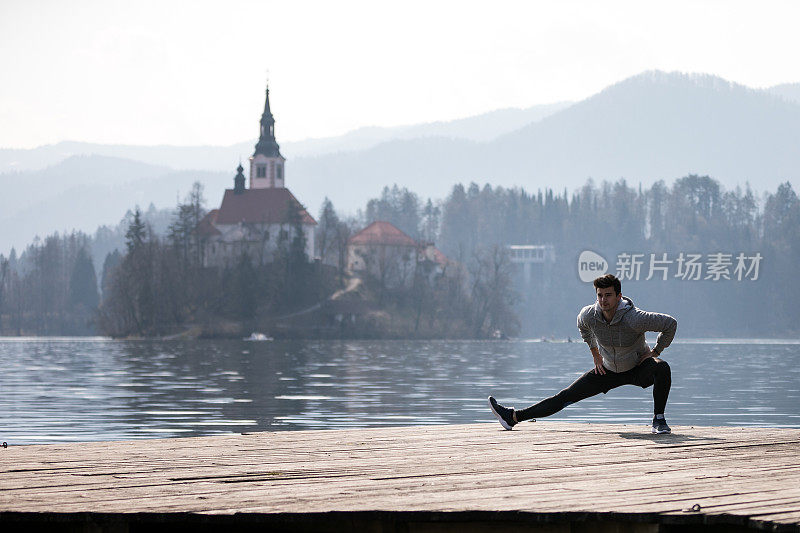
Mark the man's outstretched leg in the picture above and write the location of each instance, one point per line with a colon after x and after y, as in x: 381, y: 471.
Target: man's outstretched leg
x: 656, y: 372
x: 585, y: 386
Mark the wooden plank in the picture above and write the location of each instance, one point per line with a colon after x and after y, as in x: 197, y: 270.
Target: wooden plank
x: 542, y: 467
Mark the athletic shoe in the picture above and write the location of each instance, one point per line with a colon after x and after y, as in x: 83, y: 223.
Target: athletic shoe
x: 503, y: 414
x: 660, y: 425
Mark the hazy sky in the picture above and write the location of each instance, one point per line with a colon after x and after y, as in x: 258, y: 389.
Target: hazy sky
x: 194, y: 72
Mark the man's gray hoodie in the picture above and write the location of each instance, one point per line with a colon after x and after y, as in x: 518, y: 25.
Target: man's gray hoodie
x: 621, y: 341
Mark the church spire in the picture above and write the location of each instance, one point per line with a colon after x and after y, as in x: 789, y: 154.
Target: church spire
x: 266, y: 164
x: 238, y: 181
x: 267, y: 145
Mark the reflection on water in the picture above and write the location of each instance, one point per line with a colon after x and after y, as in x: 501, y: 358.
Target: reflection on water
x: 96, y: 389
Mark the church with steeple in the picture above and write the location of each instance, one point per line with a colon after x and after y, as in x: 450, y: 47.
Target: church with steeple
x: 256, y: 219
x: 266, y: 164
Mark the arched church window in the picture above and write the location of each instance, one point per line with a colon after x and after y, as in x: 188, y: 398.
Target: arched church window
x: 261, y: 171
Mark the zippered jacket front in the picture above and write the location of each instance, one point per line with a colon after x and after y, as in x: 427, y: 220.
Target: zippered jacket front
x: 621, y: 341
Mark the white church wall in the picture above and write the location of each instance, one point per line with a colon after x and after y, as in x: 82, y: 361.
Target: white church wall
x: 260, y: 241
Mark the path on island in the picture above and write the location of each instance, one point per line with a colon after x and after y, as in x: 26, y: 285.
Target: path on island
x: 352, y: 285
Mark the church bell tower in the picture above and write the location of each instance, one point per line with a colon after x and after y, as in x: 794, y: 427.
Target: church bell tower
x: 267, y: 163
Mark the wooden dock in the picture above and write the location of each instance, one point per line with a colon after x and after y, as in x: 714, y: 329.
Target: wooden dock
x: 543, y: 476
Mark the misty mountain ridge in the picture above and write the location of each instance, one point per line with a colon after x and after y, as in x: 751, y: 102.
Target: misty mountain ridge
x: 84, y: 192
x: 479, y: 128
x: 660, y: 126
x: 174, y: 157
x: 652, y: 126
x: 787, y: 91
x: 483, y: 127
x: 84, y: 171
x: 649, y: 127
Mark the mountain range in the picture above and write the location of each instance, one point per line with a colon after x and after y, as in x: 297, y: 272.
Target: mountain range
x: 649, y: 127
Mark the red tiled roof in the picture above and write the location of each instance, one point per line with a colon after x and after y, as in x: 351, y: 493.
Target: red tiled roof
x: 439, y: 257
x: 206, y: 225
x: 260, y: 206
x: 380, y: 232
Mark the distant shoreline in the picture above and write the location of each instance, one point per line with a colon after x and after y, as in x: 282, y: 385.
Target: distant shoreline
x: 96, y: 338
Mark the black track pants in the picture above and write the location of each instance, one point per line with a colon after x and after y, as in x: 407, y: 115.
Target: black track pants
x: 651, y: 371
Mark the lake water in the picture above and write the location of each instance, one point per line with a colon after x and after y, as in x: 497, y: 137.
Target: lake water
x: 54, y: 390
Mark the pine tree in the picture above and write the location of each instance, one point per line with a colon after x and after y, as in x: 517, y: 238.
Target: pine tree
x: 83, y: 283
x: 134, y: 237
x: 326, y: 231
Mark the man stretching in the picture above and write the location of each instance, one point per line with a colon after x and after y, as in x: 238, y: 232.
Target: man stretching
x: 614, y: 330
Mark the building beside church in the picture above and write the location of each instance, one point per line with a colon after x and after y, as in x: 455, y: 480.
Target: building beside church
x: 391, y: 256
x: 257, y: 219
x: 536, y: 259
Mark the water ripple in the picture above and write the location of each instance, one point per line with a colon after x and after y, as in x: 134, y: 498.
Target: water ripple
x: 79, y: 389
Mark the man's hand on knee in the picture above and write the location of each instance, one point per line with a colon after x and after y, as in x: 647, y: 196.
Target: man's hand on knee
x: 598, y: 364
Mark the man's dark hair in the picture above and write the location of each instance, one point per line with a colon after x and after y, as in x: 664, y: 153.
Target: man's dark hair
x: 609, y: 280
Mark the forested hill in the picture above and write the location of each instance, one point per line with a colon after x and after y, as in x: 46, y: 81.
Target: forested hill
x: 744, y: 254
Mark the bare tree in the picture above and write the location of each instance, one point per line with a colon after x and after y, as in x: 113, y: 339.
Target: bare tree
x: 492, y: 293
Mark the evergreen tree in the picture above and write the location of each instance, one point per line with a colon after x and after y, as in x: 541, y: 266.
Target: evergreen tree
x: 327, y: 232
x: 182, y: 231
x: 399, y: 206
x: 4, y: 275
x: 430, y: 221
x: 83, y: 283
x: 134, y: 237
x: 111, y: 262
